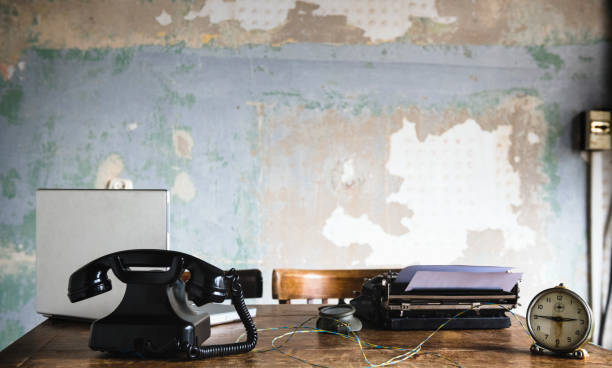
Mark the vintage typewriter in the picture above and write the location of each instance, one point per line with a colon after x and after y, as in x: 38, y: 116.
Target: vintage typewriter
x: 424, y: 297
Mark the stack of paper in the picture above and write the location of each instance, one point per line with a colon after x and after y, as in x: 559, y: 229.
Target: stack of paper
x: 458, y: 277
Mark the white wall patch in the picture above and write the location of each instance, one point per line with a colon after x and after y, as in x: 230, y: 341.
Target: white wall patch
x: 109, y: 169
x: 348, y: 173
x: 458, y: 181
x: 533, y: 138
x: 383, y: 20
x: 164, y: 18
x: 183, y: 187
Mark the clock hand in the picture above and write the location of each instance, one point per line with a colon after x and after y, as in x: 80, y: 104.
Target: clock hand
x: 556, y: 319
x: 563, y: 319
x: 547, y: 317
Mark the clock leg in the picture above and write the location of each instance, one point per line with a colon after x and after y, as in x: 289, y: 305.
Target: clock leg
x: 535, y: 349
x: 579, y: 354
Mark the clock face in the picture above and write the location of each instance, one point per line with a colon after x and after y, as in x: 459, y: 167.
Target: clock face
x: 559, y: 320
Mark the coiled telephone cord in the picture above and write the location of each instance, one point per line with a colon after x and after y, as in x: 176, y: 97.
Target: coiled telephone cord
x: 199, y: 352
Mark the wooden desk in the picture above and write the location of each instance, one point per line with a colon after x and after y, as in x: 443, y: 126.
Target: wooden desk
x: 64, y: 344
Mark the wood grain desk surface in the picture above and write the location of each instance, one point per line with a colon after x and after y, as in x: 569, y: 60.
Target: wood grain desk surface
x: 57, y: 343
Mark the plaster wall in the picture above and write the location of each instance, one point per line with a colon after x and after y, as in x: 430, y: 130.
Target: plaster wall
x: 334, y: 134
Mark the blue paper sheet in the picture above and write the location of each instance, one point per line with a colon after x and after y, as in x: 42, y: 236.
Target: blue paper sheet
x: 407, y: 273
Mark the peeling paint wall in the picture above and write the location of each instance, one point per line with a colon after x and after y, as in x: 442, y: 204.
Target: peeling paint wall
x: 328, y: 134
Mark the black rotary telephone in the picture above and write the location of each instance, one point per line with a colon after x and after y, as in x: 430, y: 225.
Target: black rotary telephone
x: 154, y: 318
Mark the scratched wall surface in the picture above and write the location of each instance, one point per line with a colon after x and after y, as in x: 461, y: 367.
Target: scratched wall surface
x: 315, y: 134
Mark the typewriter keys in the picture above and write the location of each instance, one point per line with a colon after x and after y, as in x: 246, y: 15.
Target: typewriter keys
x: 560, y: 321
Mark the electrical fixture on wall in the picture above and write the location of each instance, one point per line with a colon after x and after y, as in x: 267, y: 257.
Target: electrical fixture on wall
x: 596, y: 139
x: 597, y: 131
x: 119, y: 183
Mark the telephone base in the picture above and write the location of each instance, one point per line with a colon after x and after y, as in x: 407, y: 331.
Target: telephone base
x: 148, y: 337
x: 155, y: 318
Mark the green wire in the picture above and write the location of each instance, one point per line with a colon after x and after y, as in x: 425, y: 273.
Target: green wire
x: 409, y: 352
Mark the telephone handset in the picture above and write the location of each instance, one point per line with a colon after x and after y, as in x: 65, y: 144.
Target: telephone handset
x: 153, y: 318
